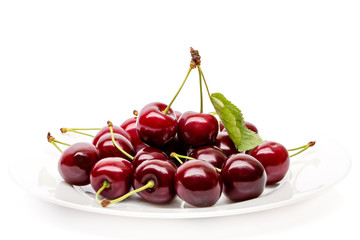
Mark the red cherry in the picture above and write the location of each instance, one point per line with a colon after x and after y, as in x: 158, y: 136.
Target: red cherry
x: 162, y: 174
x: 106, y: 130
x: 117, y: 172
x: 197, y: 129
x: 224, y: 142
x: 275, y: 159
x: 210, y: 154
x: 129, y: 126
x: 154, y: 127
x: 107, y: 149
x: 198, y: 183
x: 76, y: 162
x: 251, y: 126
x: 148, y: 153
x: 244, y: 177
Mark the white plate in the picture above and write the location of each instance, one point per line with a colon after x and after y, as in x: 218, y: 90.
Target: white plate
x: 310, y: 173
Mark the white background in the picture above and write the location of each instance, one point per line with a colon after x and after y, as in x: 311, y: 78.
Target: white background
x: 292, y: 67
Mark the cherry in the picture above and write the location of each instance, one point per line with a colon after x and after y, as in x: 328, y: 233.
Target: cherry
x: 162, y: 174
x: 221, y: 126
x: 111, y: 177
x: 210, y: 154
x: 224, y: 142
x: 154, y: 126
x: 148, y: 153
x: 107, y: 148
x: 197, y: 129
x: 252, y: 127
x: 129, y: 126
x: 174, y: 146
x: 106, y: 130
x: 244, y: 177
x: 76, y: 161
x: 275, y: 159
x: 198, y: 183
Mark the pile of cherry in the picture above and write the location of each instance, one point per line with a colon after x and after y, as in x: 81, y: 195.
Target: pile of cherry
x: 161, y: 153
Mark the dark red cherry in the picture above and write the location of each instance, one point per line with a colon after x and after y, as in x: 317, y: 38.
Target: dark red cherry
x: 154, y: 127
x: 224, y: 142
x: 118, y: 172
x: 221, y: 126
x: 162, y: 173
x: 210, y: 154
x: 251, y: 126
x: 275, y: 159
x: 107, y: 148
x: 129, y: 126
x: 244, y: 177
x: 197, y: 129
x: 148, y: 153
x: 106, y: 130
x: 76, y: 162
x: 198, y: 183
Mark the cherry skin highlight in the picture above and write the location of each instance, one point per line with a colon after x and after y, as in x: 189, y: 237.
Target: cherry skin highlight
x: 107, y: 149
x: 76, y: 162
x: 129, y: 126
x: 106, y: 130
x: 244, y: 177
x: 118, y: 172
x: 162, y: 173
x: 197, y: 129
x: 198, y: 183
x: 148, y: 153
x: 210, y: 154
x: 275, y: 159
x: 154, y: 127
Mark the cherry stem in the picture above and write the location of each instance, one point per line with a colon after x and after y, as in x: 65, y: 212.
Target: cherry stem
x: 303, y: 148
x: 110, y: 125
x: 168, y: 107
x: 149, y: 185
x: 201, y: 92
x: 174, y: 155
x: 53, y: 141
x: 75, y: 130
x: 178, y: 156
x: 203, y: 77
x: 106, y: 184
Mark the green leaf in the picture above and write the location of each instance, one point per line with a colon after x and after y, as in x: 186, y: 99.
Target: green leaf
x: 232, y: 118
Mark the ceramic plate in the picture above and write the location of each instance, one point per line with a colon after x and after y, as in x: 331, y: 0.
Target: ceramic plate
x: 311, y: 172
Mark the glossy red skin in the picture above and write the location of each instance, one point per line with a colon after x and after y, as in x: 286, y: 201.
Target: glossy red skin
x: 210, y: 154
x: 129, y: 126
x: 224, y: 142
x: 244, y: 177
x: 117, y: 171
x: 76, y: 162
x: 106, y: 129
x: 275, y: 159
x: 148, y: 153
x: 251, y: 126
x: 198, y: 183
x: 197, y: 129
x: 162, y: 173
x: 106, y: 147
x: 177, y: 114
x: 154, y: 127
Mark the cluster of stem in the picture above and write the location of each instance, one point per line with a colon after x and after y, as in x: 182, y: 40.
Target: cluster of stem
x: 301, y: 148
x: 54, y: 142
